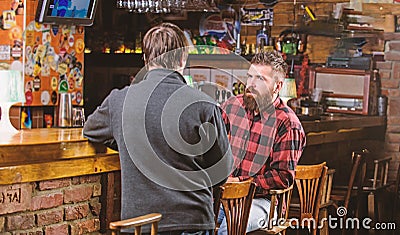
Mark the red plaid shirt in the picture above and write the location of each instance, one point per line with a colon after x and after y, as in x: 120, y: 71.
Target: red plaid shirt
x: 267, y: 146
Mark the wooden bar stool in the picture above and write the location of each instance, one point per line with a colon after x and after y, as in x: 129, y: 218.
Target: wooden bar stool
x: 137, y: 223
x: 310, y: 181
x: 280, y: 198
x: 236, y: 200
x: 375, y: 185
x: 341, y: 195
x: 326, y: 201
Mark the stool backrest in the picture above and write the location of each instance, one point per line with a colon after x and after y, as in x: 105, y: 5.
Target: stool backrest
x: 236, y: 200
x: 310, y: 180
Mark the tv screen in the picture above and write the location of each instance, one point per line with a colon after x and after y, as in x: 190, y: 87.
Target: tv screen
x: 75, y: 12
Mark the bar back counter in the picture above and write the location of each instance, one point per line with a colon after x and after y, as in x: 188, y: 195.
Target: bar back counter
x: 53, y: 181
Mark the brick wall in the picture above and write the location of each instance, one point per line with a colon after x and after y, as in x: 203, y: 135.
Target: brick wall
x: 390, y: 75
x: 56, y: 207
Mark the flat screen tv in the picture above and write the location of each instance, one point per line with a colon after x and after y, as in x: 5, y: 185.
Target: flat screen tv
x: 66, y: 12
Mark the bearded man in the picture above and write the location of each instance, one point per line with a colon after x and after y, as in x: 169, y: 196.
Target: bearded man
x: 266, y: 137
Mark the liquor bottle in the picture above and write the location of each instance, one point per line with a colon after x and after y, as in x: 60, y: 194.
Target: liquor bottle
x: 374, y: 92
x: 262, y: 37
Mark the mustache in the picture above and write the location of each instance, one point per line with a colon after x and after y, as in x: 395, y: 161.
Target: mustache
x: 251, y: 90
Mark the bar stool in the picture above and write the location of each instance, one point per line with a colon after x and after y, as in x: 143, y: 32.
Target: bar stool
x: 326, y: 201
x: 137, y: 224
x: 341, y: 195
x: 310, y: 181
x: 376, y: 185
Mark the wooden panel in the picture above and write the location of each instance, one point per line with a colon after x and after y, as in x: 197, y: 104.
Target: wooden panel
x: 379, y: 9
x: 58, y: 169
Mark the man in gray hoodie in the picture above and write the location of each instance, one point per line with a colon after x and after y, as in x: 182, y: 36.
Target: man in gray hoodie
x: 171, y: 139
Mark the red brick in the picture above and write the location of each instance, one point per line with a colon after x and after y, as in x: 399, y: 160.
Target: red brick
x: 2, y: 220
x: 59, y: 229
x: 384, y: 65
x: 89, y: 226
x: 393, y: 129
x: 47, y: 201
x: 97, y: 190
x: 393, y: 93
x: 78, y: 194
x: 390, y: 83
x: 15, y: 198
x: 95, y: 207
x: 49, y: 217
x: 86, y: 179
x: 385, y: 74
x: 394, y: 107
x: 393, y: 120
x: 20, y: 222
x: 392, y: 55
x: 76, y: 212
x: 53, y: 184
x: 390, y: 147
x: 36, y: 232
x: 394, y: 45
x: 393, y: 137
x: 391, y: 36
x: 396, y: 70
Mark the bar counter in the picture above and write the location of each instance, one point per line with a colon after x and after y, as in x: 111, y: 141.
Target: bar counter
x: 44, y: 154
x: 52, y: 153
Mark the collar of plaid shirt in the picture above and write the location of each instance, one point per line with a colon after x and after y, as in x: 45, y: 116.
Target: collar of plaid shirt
x: 241, y: 122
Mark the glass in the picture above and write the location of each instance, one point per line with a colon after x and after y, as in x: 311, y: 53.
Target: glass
x: 78, y: 115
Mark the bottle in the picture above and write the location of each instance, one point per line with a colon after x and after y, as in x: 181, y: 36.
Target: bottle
x: 262, y: 37
x: 374, y: 92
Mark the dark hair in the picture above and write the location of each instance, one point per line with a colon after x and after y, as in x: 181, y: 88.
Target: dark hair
x: 275, y: 60
x: 161, y: 39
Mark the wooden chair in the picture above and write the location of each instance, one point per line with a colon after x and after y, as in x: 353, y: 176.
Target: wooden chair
x: 217, y: 193
x: 310, y: 181
x: 137, y: 223
x: 326, y: 201
x: 396, y: 198
x: 280, y: 198
x: 376, y: 184
x: 236, y: 200
x: 341, y: 195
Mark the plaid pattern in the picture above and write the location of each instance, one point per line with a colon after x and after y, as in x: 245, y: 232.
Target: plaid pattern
x: 267, y: 146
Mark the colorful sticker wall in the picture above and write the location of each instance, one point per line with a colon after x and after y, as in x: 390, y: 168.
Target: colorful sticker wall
x: 54, y: 63
x: 53, y: 54
x: 11, y: 15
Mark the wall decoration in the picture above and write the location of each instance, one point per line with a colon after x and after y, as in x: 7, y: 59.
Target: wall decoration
x: 9, y: 20
x: 53, y: 58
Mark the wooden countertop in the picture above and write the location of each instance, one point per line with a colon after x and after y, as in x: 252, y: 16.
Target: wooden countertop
x: 344, y: 127
x: 43, y: 154
x: 51, y: 153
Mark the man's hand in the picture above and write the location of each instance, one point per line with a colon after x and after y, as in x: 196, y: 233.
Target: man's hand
x: 233, y: 179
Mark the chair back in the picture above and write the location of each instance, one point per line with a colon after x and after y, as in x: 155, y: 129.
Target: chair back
x: 357, y: 175
x: 217, y: 193
x: 396, y: 193
x: 327, y: 189
x: 137, y: 224
x: 381, y: 170
x: 310, y: 181
x: 280, y: 198
x: 236, y: 200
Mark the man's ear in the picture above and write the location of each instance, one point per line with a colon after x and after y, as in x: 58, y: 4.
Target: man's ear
x: 278, y: 86
x: 144, y: 59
